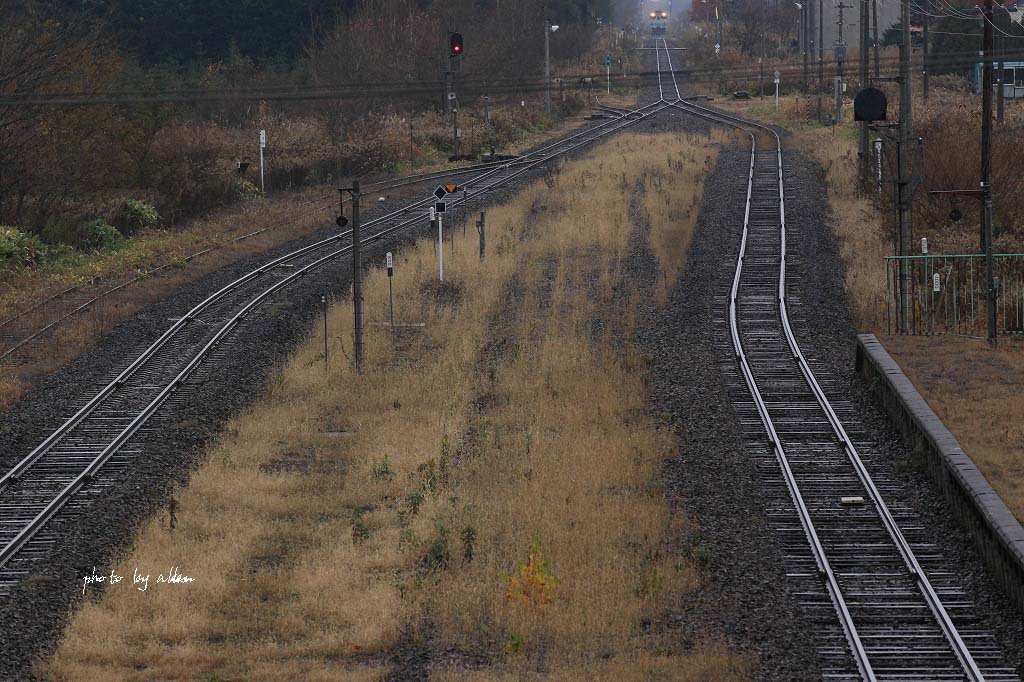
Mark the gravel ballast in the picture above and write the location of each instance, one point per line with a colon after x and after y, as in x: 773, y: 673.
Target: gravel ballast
x: 744, y: 596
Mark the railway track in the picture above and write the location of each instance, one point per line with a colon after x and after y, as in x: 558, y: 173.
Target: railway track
x: 883, y: 603
x: 95, y: 447
x: 883, y: 606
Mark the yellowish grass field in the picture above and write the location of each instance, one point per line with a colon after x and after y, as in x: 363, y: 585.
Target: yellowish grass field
x: 489, y: 482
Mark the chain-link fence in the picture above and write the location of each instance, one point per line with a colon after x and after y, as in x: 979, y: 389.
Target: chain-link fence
x: 947, y: 294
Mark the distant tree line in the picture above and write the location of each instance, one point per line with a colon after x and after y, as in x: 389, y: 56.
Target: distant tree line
x: 60, y: 165
x: 271, y: 31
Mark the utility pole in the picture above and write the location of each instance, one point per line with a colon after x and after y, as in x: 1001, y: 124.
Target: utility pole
x: 862, y: 128
x: 448, y: 87
x: 803, y: 39
x: 548, y: 30
x: 1000, y: 75
x: 760, y: 66
x: 810, y: 42
x: 902, y: 152
x: 453, y: 105
x: 986, y: 171
x: 357, y: 278
x: 840, y: 55
x: 924, y: 59
x: 874, y: 35
x: 821, y: 54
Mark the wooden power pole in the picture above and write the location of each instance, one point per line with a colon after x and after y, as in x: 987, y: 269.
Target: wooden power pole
x: 862, y: 128
x: 986, y: 170
x: 903, y: 154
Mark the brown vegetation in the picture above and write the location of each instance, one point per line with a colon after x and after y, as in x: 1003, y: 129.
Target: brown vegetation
x: 976, y: 392
x: 220, y: 238
x: 489, y: 483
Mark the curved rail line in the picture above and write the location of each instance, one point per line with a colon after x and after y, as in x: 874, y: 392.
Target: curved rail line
x: 830, y: 578
x: 494, y: 176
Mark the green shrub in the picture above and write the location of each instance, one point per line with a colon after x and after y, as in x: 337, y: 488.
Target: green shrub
x: 360, y: 531
x: 20, y: 249
x: 247, y: 190
x: 131, y: 215
x: 97, y: 235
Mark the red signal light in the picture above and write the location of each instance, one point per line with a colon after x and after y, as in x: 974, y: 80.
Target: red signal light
x: 455, y: 43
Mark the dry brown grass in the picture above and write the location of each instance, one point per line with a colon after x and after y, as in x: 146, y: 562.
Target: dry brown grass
x: 856, y: 223
x: 287, y: 216
x: 290, y: 583
x: 672, y: 207
x: 976, y: 392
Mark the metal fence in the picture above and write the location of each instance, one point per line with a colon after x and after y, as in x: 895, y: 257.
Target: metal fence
x: 947, y: 294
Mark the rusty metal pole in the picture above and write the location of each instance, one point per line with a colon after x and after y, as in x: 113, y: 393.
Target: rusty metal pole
x: 357, y: 279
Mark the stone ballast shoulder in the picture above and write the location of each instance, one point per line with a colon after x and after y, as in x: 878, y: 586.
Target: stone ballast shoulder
x: 995, y: 530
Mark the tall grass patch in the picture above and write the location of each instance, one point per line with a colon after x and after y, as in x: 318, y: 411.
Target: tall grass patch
x: 489, y: 482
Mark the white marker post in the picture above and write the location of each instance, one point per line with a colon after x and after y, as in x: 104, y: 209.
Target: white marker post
x: 924, y: 246
x: 263, y: 145
x: 878, y: 162
x: 777, y: 74
x: 390, y: 262
x: 440, y: 246
x: 936, y: 283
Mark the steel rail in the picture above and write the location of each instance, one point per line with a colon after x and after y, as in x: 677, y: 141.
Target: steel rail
x: 824, y: 567
x: 949, y: 629
x: 63, y: 496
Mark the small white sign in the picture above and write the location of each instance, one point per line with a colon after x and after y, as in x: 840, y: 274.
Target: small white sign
x: 451, y: 95
x: 924, y: 245
x: 936, y: 283
x: 433, y: 213
x: 389, y: 260
x: 263, y: 139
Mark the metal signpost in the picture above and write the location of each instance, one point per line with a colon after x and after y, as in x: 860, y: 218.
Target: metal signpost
x: 440, y: 207
x: 440, y: 247
x: 390, y: 262
x: 608, y: 71
x: 263, y: 145
x: 777, y: 75
x: 323, y: 304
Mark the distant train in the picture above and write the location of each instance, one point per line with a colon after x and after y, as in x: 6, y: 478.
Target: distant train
x: 658, y: 20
